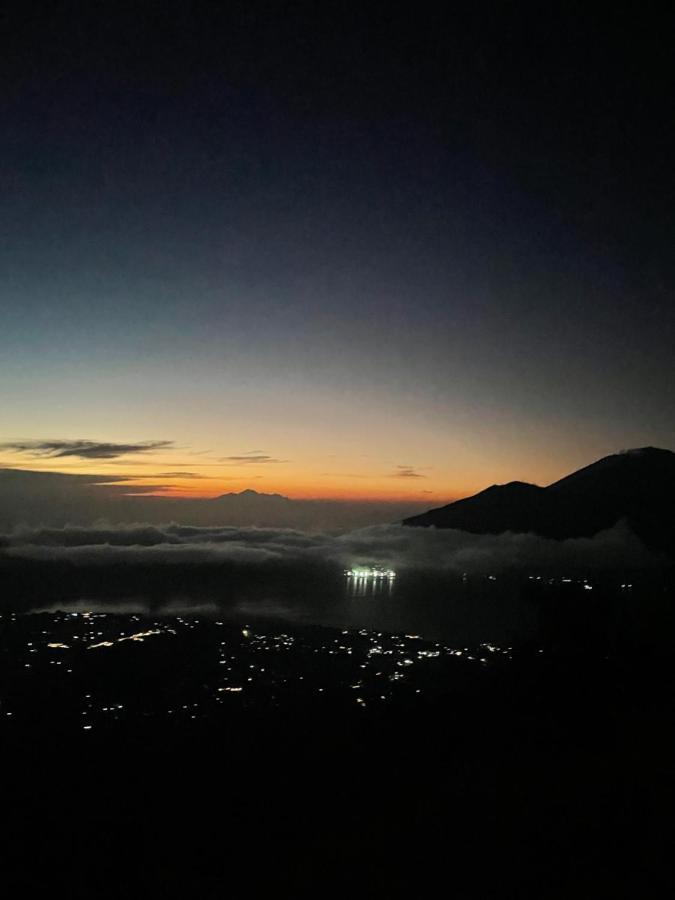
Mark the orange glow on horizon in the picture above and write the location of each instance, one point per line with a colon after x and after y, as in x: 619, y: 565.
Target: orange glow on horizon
x: 141, y: 479
x: 304, y: 490
x: 439, y: 476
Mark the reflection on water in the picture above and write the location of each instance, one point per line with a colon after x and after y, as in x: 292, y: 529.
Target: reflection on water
x: 434, y: 605
x: 363, y: 586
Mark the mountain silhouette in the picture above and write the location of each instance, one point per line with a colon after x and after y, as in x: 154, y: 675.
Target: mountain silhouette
x: 56, y: 499
x: 637, y: 486
x: 250, y: 495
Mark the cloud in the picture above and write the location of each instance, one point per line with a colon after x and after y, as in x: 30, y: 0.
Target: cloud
x: 176, y: 475
x: 154, y: 490
x: 395, y: 546
x: 104, y: 479
x: 251, y: 459
x: 83, y: 449
x: 298, y: 575
x: 407, y: 472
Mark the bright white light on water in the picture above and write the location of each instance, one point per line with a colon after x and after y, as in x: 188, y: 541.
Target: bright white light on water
x: 369, y: 572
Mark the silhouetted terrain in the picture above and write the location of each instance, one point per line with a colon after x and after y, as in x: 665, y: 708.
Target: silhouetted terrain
x: 637, y: 486
x: 183, y: 718
x: 57, y: 499
x: 150, y: 756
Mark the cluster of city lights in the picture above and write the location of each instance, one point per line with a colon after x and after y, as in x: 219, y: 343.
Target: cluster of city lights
x: 370, y: 572
x: 241, y: 668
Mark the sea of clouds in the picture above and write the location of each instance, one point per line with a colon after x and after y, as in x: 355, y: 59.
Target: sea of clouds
x: 395, y: 546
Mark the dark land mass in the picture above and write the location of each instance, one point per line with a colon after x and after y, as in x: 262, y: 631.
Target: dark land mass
x: 350, y: 762
x: 637, y: 486
x: 58, y: 499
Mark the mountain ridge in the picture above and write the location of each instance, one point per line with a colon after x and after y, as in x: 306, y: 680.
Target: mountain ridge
x: 637, y: 486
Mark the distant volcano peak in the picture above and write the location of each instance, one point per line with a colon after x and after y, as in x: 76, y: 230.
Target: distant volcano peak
x: 250, y: 494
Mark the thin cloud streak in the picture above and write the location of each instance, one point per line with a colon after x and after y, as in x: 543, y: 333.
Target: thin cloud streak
x: 407, y: 472
x: 83, y: 449
x: 176, y: 475
x: 251, y: 459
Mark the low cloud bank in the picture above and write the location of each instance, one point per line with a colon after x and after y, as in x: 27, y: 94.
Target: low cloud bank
x: 395, y: 546
x: 297, y: 576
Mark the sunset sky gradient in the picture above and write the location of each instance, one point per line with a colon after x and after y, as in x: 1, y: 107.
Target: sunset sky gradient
x: 386, y: 259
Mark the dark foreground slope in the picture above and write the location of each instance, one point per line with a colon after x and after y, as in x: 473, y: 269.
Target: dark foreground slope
x: 637, y: 486
x: 532, y: 774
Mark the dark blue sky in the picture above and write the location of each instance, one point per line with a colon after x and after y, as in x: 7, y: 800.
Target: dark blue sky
x: 432, y: 241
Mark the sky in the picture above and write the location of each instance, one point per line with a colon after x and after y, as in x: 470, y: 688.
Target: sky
x: 332, y: 253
